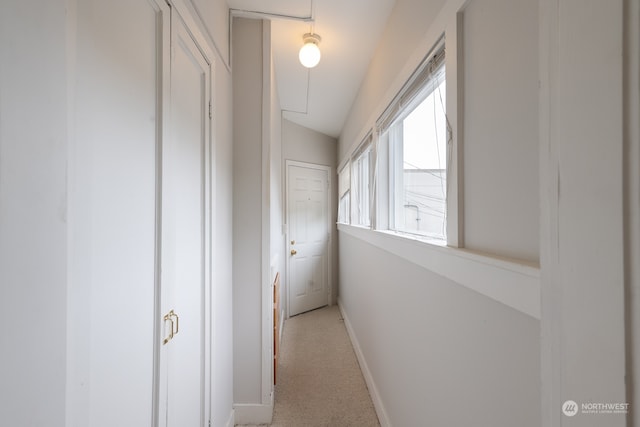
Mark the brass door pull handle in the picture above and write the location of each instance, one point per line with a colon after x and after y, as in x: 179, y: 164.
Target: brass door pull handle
x: 293, y: 252
x: 169, y: 317
x: 177, y: 322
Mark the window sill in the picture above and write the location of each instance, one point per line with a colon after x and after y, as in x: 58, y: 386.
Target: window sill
x: 511, y: 282
x: 361, y: 227
x: 418, y: 238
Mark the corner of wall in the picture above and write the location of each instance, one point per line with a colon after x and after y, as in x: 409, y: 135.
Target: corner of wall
x: 231, y: 421
x: 254, y: 413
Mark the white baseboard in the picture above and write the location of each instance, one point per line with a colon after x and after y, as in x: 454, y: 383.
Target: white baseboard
x: 366, y: 373
x: 231, y: 422
x: 253, y: 413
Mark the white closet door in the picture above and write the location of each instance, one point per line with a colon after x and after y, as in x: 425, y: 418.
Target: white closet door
x: 185, y: 221
x: 113, y: 171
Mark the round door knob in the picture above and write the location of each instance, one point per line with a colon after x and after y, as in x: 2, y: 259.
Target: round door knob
x: 293, y: 252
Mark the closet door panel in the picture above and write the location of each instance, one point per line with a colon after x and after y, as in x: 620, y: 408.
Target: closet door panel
x: 185, y: 302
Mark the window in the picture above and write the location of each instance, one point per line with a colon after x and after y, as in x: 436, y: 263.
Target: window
x: 416, y: 130
x: 360, y: 173
x: 344, y: 183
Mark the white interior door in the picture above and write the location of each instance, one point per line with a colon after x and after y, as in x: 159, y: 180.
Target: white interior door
x: 308, y: 219
x: 185, y: 279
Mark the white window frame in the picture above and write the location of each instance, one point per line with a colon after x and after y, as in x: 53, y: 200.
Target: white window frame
x: 396, y: 166
x: 400, y: 107
x: 344, y: 194
x: 361, y: 184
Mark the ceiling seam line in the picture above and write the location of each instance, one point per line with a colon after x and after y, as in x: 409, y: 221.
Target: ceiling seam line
x: 243, y: 12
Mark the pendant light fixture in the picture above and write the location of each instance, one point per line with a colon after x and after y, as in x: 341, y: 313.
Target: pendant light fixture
x: 310, y: 53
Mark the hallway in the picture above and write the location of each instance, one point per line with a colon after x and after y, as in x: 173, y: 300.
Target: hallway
x: 146, y: 210
x: 319, y: 379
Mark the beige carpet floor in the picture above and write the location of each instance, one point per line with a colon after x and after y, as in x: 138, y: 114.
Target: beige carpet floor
x: 319, y: 379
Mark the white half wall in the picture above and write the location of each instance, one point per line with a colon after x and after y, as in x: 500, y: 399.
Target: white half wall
x: 438, y: 353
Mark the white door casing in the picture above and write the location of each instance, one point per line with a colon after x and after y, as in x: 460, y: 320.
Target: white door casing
x: 308, y: 219
x: 186, y: 280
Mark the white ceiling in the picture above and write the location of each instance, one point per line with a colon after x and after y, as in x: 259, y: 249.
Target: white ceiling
x: 320, y: 98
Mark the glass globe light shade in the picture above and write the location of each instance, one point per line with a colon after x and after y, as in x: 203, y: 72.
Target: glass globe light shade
x: 309, y: 54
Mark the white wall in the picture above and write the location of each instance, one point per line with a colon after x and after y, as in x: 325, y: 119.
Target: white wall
x: 222, y: 340
x: 215, y: 17
x: 583, y: 238
x: 247, y: 209
x: 273, y: 258
x: 500, y: 119
x: 257, y: 210
x: 438, y: 350
x: 407, y: 25
x: 222, y: 368
x: 585, y: 344
x: 305, y: 145
x: 278, y: 260
x: 632, y: 199
x: 33, y: 223
x: 47, y: 334
x: 112, y: 213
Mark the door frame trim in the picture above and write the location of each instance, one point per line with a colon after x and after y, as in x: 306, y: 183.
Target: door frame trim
x: 163, y: 107
x: 192, y: 23
x: 327, y: 169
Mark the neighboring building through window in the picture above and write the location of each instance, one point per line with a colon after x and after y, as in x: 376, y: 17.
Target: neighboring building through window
x: 415, y: 128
